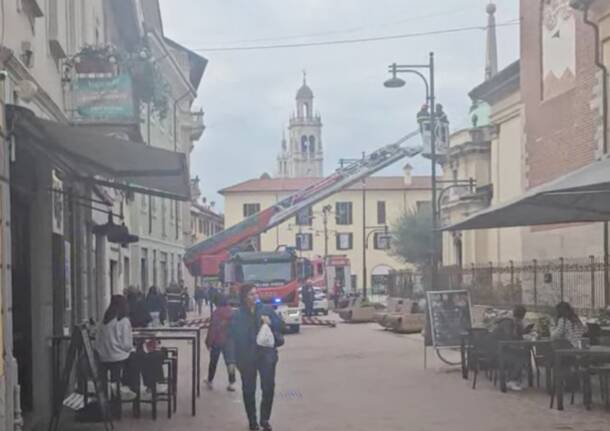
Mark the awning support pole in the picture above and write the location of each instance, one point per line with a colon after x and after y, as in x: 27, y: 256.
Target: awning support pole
x: 606, y: 275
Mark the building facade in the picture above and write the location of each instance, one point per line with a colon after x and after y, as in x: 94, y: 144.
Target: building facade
x: 548, y: 112
x: 164, y: 224
x: 561, y: 88
x: 77, y: 172
x: 352, y: 222
x: 491, y: 154
x: 205, y: 220
x: 302, y: 155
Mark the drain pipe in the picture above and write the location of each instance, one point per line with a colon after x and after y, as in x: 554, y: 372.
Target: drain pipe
x: 604, y: 70
x: 176, y: 102
x: 584, y: 6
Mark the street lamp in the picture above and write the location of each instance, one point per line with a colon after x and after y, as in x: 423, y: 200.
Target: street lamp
x: 396, y: 82
x: 383, y: 229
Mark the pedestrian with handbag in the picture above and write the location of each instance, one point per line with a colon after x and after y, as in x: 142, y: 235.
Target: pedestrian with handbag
x: 256, y: 333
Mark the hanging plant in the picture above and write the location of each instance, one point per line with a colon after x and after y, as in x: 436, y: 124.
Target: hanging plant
x: 95, y: 59
x: 150, y: 86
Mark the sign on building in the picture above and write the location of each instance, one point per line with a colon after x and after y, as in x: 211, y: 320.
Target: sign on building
x: 105, y: 98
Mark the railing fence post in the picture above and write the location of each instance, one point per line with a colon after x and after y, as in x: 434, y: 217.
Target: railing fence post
x: 561, y: 277
x: 592, y: 263
x: 535, y: 262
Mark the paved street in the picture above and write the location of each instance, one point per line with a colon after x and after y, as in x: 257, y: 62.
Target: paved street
x: 357, y: 377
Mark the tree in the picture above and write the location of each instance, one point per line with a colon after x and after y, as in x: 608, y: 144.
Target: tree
x: 412, y: 241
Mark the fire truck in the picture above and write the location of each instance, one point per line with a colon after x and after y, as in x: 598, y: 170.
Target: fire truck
x: 277, y: 276
x: 224, y: 252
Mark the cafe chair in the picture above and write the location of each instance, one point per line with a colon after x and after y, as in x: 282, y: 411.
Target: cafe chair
x: 167, y: 394
x: 112, y: 386
x: 543, y: 358
x: 576, y: 374
x: 482, y: 355
x: 172, y: 355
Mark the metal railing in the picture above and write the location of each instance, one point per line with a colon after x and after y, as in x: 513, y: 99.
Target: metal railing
x: 535, y: 283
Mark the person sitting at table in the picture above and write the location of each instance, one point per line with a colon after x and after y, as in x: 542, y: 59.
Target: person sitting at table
x: 512, y: 328
x: 568, y: 326
x: 115, y: 348
x: 114, y: 345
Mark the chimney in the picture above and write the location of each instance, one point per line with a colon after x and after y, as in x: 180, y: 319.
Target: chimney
x: 407, y: 170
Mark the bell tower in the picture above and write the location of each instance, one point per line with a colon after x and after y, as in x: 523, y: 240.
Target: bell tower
x: 302, y: 154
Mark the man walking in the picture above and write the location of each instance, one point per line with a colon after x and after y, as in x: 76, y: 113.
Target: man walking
x: 308, y: 295
x: 199, y: 297
x: 253, y: 359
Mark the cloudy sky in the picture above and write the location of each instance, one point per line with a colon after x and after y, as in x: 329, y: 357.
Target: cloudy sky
x: 248, y: 96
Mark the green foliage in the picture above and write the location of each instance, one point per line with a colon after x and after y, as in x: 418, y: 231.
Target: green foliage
x: 412, y: 241
x: 602, y: 317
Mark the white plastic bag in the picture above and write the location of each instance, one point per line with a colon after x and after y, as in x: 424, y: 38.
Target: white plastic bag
x: 265, y: 336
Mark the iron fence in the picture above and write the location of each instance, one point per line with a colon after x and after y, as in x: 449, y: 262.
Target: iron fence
x: 533, y: 283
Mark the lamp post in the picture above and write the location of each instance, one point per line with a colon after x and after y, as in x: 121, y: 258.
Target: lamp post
x: 364, y: 228
x: 373, y: 229
x: 396, y: 82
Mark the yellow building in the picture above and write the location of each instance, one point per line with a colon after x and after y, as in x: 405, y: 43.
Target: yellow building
x: 349, y: 230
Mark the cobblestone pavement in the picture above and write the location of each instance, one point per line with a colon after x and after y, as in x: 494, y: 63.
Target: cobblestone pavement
x: 358, y: 377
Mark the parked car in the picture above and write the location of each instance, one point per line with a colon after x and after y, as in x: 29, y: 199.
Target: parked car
x: 320, y: 303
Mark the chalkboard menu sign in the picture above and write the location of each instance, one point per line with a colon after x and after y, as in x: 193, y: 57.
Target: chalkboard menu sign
x: 449, y: 316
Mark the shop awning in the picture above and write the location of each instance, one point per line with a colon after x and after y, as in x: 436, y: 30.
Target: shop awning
x: 580, y: 196
x: 103, y: 159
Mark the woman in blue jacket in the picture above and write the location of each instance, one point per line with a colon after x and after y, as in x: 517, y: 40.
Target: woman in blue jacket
x: 252, y: 359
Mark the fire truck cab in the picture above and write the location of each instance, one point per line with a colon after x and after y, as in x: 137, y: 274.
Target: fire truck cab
x: 277, y: 277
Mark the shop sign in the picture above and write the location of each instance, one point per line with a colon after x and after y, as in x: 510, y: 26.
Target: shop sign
x: 105, y: 98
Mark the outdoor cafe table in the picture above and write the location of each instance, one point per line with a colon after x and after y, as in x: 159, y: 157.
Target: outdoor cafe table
x: 520, y: 344
x: 196, y: 330
x: 141, y: 336
x: 593, y: 352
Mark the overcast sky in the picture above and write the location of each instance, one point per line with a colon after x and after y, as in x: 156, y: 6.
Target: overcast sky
x: 248, y: 96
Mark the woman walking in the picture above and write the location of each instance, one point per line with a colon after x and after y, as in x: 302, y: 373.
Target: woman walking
x: 253, y: 359
x: 217, y: 342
